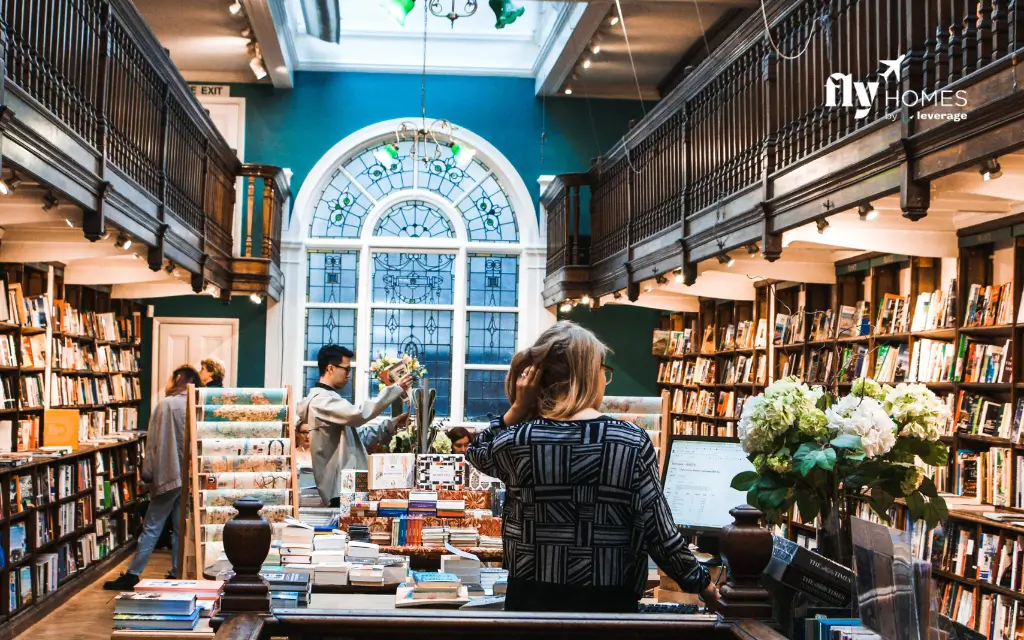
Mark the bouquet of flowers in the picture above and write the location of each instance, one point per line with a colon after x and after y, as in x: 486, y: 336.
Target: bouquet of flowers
x: 816, y: 451
x: 385, y: 362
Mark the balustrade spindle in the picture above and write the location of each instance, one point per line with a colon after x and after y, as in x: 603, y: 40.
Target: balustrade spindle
x: 1016, y: 8
x: 942, y: 34
x: 969, y: 42
x: 1000, y: 29
x: 984, y: 54
x: 955, y: 45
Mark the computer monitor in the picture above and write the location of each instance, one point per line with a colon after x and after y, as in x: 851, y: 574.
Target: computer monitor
x: 697, y: 479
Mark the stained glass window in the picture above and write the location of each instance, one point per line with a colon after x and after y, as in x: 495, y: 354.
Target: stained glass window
x: 341, y: 209
x: 414, y: 219
x: 313, y: 376
x: 488, y: 214
x: 379, y: 173
x: 493, y: 281
x: 441, y: 174
x: 485, y: 394
x: 413, y: 278
x: 423, y: 334
x: 329, y: 326
x: 332, y: 276
x: 490, y: 337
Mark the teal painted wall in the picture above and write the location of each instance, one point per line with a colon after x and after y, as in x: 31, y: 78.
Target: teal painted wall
x: 252, y: 336
x: 627, y: 331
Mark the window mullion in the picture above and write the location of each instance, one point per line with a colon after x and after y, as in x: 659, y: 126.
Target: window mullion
x: 458, y: 386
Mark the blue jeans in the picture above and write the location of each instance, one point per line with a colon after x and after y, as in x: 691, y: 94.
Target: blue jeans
x: 161, y: 507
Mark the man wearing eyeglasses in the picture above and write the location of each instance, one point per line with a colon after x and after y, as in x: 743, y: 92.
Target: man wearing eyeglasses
x: 339, y: 434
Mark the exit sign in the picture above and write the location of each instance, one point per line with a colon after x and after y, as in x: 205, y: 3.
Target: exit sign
x: 211, y: 90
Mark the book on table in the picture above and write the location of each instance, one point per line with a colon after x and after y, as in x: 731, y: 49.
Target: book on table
x: 153, y: 602
x: 201, y: 588
x: 156, y: 622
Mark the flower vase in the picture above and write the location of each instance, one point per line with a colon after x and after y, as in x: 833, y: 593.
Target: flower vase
x: 835, y: 538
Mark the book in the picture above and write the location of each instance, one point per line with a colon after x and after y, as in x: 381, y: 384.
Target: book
x: 200, y: 588
x: 810, y: 573
x: 154, y: 602
x: 156, y: 622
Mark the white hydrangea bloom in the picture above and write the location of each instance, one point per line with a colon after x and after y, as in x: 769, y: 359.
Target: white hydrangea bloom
x: 919, y: 410
x: 864, y: 417
x: 767, y: 416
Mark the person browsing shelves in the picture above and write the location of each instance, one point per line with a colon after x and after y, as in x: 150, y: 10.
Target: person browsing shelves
x: 339, y: 434
x: 584, y: 505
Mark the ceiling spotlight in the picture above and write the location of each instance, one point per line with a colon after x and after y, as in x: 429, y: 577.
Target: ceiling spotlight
x: 211, y: 290
x: 256, y: 298
x: 566, y: 307
x: 586, y: 63
x: 235, y: 8
x: 49, y: 201
x: 258, y: 70
x: 614, y: 20
x: 68, y: 222
x: 726, y: 259
x: 679, y: 276
x: 661, y: 280
x: 4, y: 189
x: 990, y: 170
x: 648, y: 289
x: 169, y: 268
x: 568, y: 91
x: 752, y: 248
x: 585, y: 300
x: 247, y: 32
x: 822, y: 225
x: 123, y: 242
x: 8, y: 187
x: 867, y: 211
x: 595, y: 48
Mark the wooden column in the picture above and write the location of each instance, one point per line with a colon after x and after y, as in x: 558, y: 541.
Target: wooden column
x: 746, y: 549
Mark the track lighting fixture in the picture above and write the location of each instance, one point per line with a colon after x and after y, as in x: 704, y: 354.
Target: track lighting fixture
x: 49, y: 201
x: 822, y: 225
x: 566, y: 306
x: 5, y: 190
x: 585, y: 300
x: 679, y: 276
x: 867, y: 211
x: 256, y: 65
x: 586, y: 63
x: 595, y: 47
x: 256, y: 298
x: 235, y: 8
x: 568, y: 91
x: 247, y: 32
x: 752, y: 248
x: 617, y: 295
x: 123, y: 242
x: 990, y: 170
x: 8, y: 187
x: 169, y: 268
x: 613, y: 20
x: 68, y: 222
x: 661, y: 280
x: 726, y: 259
x: 648, y: 289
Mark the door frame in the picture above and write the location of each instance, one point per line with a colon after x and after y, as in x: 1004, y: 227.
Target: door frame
x: 239, y: 104
x: 156, y: 384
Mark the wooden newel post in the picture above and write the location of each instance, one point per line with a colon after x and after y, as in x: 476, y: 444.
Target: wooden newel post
x: 746, y: 549
x: 246, y: 543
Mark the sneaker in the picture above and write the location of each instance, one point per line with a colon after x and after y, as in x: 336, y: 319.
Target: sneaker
x: 170, y: 575
x: 126, y: 582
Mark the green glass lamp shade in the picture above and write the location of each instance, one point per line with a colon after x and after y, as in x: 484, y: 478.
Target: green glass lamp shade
x: 399, y: 9
x: 504, y: 12
x: 463, y: 155
x: 386, y: 155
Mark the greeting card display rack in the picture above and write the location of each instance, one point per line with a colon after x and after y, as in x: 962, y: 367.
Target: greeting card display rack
x: 240, y: 444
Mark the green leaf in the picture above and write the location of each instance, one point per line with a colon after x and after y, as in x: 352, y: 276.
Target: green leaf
x: 773, y: 499
x: 928, y: 488
x: 805, y: 458
x: 940, y: 508
x: 915, y: 502
x: 846, y: 441
x: 752, y: 499
x: 808, y: 504
x: 744, y: 481
x: 827, y: 459
x: 881, y: 500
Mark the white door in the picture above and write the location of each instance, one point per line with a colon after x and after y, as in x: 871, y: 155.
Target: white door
x: 188, y: 341
x: 228, y: 115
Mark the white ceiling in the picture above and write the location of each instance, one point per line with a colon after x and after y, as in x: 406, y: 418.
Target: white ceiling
x: 547, y: 43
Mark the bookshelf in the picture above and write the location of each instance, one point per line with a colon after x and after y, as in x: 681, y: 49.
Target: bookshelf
x: 75, y: 514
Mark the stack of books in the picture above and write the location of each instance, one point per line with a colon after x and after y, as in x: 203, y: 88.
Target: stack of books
x: 322, y: 517
x: 466, y: 569
x: 463, y: 537
x: 451, y: 508
x: 156, y: 611
x: 490, y: 577
x: 434, y: 536
x: 362, y: 551
x: 359, y: 532
x: 392, y: 508
x: 297, y: 542
x: 331, y: 574
x: 329, y: 547
x: 423, y: 503
x: 289, y: 588
x: 207, y: 592
x: 490, y: 542
x: 395, y: 569
x: 382, y: 538
x: 366, y: 575
x: 430, y: 588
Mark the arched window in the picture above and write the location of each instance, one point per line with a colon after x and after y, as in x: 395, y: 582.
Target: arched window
x: 421, y: 253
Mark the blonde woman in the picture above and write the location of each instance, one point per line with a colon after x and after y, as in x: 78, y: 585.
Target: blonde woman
x: 584, y: 505
x: 211, y: 372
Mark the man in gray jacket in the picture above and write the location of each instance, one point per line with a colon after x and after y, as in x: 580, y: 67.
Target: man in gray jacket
x: 339, y: 435
x: 161, y: 473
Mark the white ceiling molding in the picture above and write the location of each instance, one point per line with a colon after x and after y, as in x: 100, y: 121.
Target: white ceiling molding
x: 269, y: 24
x: 663, y: 300
x: 567, y: 35
x: 151, y: 290
x: 122, y: 269
x: 710, y: 284
x: 757, y: 268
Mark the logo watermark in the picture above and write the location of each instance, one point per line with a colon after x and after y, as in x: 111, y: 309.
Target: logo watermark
x: 842, y: 91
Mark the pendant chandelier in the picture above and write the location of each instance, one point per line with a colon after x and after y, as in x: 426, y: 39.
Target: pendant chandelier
x: 427, y: 141
x: 505, y: 12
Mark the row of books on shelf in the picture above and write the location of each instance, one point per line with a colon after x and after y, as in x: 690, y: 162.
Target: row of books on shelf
x: 32, y: 351
x: 112, y: 494
x: 985, y: 476
x: 106, y: 327
x: 75, y: 390
x: 17, y: 308
x: 98, y: 423
x: 976, y: 414
x: 687, y: 372
x: 64, y: 480
x: 71, y: 355
x: 744, y: 369
x: 989, y: 306
x: 703, y: 428
x: 721, y: 404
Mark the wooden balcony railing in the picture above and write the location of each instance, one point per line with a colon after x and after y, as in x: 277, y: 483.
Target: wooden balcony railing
x: 266, y: 190
x: 707, y: 159
x: 561, y: 201
x: 97, y: 74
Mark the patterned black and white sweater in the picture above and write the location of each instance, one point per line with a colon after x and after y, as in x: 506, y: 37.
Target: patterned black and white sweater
x: 583, y: 505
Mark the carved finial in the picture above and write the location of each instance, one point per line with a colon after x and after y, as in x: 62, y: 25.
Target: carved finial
x: 246, y: 544
x: 746, y: 548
